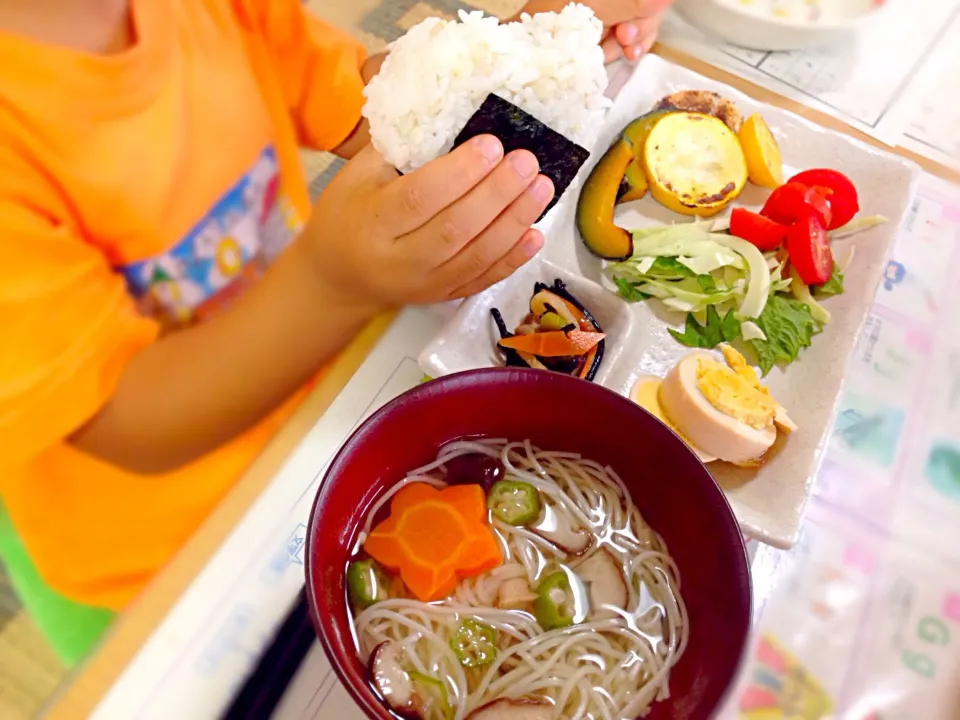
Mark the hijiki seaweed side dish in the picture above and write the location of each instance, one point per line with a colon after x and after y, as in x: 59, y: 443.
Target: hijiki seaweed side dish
x: 558, y: 334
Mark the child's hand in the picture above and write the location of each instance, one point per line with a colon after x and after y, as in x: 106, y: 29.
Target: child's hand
x: 451, y: 228
x: 631, y: 26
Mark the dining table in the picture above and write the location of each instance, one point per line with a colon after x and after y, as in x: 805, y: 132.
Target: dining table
x: 880, y: 590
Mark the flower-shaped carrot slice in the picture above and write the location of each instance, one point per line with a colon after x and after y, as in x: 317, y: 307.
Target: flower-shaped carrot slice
x: 433, y: 537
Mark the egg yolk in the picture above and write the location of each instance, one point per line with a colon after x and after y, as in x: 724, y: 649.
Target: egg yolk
x: 738, y: 364
x: 735, y: 390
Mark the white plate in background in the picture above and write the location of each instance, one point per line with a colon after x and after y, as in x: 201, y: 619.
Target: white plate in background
x: 768, y: 502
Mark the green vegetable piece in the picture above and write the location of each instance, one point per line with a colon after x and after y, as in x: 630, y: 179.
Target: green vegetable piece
x: 668, y: 268
x: 788, y: 326
x: 710, y: 335
x: 366, y: 583
x: 553, y: 607
x: 431, y: 697
x: 552, y: 321
x: 707, y: 283
x: 833, y: 286
x: 425, y: 379
x: 515, y: 503
x: 628, y: 290
x: 474, y: 644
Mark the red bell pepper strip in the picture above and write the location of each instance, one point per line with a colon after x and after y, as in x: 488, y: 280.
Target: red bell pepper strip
x: 809, y: 250
x: 792, y: 201
x: 841, y: 196
x: 756, y: 229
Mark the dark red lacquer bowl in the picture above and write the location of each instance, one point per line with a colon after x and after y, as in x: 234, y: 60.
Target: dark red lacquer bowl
x: 669, y: 485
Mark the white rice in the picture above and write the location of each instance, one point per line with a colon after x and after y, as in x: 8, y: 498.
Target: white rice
x: 438, y: 74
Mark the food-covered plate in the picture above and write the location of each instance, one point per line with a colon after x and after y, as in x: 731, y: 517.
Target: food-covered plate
x: 645, y: 340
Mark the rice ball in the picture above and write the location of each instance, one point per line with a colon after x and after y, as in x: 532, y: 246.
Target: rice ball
x: 438, y: 74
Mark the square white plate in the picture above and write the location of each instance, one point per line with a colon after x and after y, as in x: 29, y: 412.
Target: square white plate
x: 769, y: 502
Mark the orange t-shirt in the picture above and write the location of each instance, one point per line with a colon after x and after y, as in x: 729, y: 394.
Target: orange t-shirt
x: 136, y: 190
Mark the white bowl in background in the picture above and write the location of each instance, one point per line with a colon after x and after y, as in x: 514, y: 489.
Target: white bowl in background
x: 756, y: 24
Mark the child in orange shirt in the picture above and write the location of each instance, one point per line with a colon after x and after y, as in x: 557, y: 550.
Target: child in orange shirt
x: 165, y: 286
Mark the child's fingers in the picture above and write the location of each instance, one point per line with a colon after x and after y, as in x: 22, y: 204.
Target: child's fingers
x: 528, y: 246
x: 627, y: 33
x: 412, y: 201
x: 646, y: 36
x: 612, y: 50
x: 646, y: 45
x: 442, y: 239
x: 483, y: 253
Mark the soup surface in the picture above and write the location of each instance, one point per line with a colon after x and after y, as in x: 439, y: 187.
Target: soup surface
x: 506, y: 582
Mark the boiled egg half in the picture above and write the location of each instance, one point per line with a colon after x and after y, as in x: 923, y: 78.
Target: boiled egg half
x: 719, y: 409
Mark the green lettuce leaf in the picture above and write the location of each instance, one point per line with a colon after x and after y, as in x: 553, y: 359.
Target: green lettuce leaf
x: 833, y: 286
x: 788, y: 326
x: 710, y: 335
x: 628, y: 290
x: 669, y: 267
x: 707, y: 283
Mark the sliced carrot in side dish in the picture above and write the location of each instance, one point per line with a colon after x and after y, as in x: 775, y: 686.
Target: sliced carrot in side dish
x: 587, y: 363
x: 434, y: 537
x: 586, y: 326
x: 554, y: 344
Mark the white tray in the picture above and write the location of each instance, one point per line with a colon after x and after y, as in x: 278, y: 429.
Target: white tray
x: 769, y: 502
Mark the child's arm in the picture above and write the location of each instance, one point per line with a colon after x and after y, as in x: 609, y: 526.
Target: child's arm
x: 374, y: 240
x: 197, y: 388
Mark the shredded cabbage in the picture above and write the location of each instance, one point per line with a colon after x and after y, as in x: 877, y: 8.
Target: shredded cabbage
x: 751, y: 331
x: 645, y: 263
x: 708, y: 262
x: 802, y: 293
x: 687, y: 292
x: 717, y: 262
x: 687, y: 240
x: 858, y: 225
x: 758, y: 283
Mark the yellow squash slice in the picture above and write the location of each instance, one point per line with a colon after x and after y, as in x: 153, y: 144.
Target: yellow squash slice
x: 761, y: 152
x: 694, y: 164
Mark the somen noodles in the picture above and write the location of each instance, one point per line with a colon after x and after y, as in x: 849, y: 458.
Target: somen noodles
x: 580, y: 616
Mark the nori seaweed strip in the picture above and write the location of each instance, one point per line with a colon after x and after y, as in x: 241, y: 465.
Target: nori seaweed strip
x: 560, y: 158
x: 511, y: 357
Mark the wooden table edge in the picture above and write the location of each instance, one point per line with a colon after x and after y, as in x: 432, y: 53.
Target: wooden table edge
x: 86, y: 687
